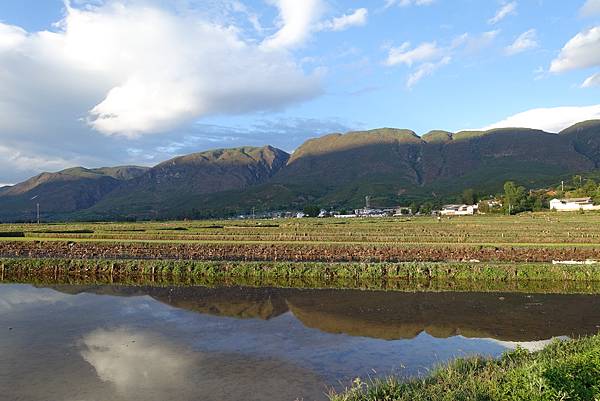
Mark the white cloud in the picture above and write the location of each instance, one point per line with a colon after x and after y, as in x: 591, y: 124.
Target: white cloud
x: 425, y: 70
x: 504, y: 11
x: 297, y: 19
x: 428, y: 57
x: 590, y: 8
x: 582, y: 51
x: 406, y: 3
x: 553, y: 119
x: 11, y: 37
x: 531, y: 346
x: 20, y: 160
x: 140, y: 69
x: 404, y: 54
x: 526, y: 41
x: 357, y: 18
x: 592, y: 81
x: 131, y: 360
x: 13, y: 298
x: 475, y: 43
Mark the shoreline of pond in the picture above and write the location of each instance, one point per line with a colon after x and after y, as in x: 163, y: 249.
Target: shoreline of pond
x: 565, y: 369
x: 404, y: 276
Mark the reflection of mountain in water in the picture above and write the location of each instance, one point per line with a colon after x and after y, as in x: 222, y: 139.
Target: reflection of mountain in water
x: 389, y: 315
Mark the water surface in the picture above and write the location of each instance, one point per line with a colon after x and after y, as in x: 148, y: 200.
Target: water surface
x: 193, y: 343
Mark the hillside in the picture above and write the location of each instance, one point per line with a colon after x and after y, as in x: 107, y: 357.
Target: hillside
x: 334, y: 169
x: 179, y: 183
x: 62, y: 192
x: 585, y: 137
x: 338, y: 170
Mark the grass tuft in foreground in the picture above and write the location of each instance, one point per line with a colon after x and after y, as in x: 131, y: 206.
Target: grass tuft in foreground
x: 565, y: 370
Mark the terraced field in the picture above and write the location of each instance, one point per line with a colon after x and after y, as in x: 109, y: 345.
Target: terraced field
x: 500, y: 247
x: 535, y: 228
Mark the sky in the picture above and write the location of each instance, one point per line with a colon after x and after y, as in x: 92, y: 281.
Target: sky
x: 113, y: 82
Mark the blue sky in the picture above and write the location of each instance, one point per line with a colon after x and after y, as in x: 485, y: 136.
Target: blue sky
x: 104, y: 82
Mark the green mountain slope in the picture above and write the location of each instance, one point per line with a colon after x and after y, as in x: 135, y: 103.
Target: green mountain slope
x: 180, y: 184
x: 62, y: 192
x: 585, y: 139
x: 338, y: 170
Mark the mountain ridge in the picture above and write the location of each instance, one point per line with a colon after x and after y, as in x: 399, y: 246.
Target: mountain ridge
x: 337, y: 170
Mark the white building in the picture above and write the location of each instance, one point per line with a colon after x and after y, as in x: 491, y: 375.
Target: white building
x: 458, y: 210
x: 573, y: 204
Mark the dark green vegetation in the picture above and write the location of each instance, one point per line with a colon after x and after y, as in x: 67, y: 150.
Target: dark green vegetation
x: 465, y: 277
x: 565, y: 370
x: 66, y: 191
x: 392, y: 166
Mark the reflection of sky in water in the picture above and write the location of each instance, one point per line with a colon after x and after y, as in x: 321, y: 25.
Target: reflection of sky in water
x: 94, y: 347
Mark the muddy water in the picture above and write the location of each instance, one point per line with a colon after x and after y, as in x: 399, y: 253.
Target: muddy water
x: 192, y: 343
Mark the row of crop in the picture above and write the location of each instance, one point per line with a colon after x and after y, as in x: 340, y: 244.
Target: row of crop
x: 50, y: 276
x: 346, y: 272
x: 293, y: 252
x: 408, y: 238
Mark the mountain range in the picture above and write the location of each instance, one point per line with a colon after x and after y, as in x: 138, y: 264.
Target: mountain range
x: 392, y: 166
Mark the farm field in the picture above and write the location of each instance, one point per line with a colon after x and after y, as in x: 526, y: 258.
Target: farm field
x: 372, y: 293
x: 525, y: 229
x: 523, y: 247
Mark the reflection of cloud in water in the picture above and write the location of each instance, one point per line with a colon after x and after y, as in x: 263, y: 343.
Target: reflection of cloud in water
x: 531, y: 346
x: 144, y: 366
x: 132, y: 360
x: 12, y: 297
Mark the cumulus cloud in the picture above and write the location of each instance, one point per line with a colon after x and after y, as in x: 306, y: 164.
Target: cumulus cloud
x: 504, y: 11
x: 592, y: 81
x: 297, y: 20
x: 590, y: 8
x: 553, y: 119
x: 136, y: 80
x: 582, y: 51
x: 526, y: 41
x: 357, y: 18
x: 112, y: 71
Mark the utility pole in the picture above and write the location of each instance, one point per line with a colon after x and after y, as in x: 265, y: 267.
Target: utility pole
x: 38, y: 213
x: 253, y: 213
x: 562, y: 186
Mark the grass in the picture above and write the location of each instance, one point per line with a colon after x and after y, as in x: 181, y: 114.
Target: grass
x: 565, y: 370
x: 410, y: 276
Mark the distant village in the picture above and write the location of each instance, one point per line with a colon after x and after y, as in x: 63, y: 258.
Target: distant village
x: 577, y: 196
x: 491, y: 206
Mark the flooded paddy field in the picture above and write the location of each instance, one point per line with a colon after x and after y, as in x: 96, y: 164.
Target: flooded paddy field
x: 282, y: 309
x: 100, y: 342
